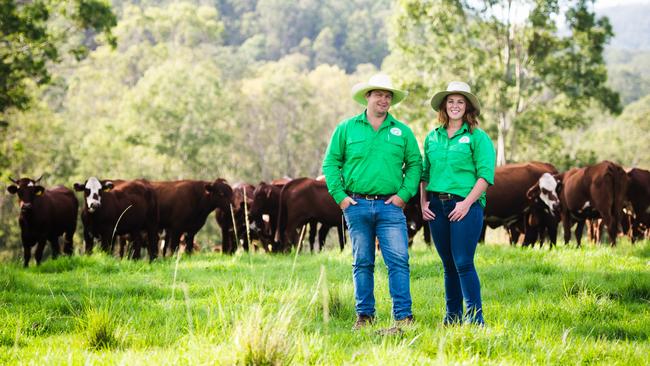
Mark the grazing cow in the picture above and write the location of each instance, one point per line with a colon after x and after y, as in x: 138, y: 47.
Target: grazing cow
x: 301, y: 201
x: 523, y: 199
x: 638, y: 195
x: 112, y: 209
x: 185, y: 205
x: 45, y: 215
x: 594, y: 191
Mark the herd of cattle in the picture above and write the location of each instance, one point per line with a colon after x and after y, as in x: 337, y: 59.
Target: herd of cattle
x: 528, y: 199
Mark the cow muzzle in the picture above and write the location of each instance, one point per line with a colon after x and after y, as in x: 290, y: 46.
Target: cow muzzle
x: 92, y: 207
x: 25, y: 206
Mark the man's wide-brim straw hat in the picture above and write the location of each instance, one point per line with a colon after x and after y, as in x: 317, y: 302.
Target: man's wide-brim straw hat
x: 377, y: 82
x: 456, y: 87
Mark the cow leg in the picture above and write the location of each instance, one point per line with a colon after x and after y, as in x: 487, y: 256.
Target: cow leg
x: 67, y: 242
x: 39, y: 251
x: 427, y: 233
x: 341, y: 233
x: 27, y: 251
x: 566, y: 225
x: 580, y: 227
x: 88, y: 241
x: 137, y: 245
x: 152, y: 241
x: 189, y: 243
x: 313, y: 230
x: 56, y: 249
x: 322, y: 235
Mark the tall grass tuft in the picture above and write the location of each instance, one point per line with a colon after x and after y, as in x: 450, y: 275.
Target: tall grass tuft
x: 265, y: 339
x: 100, y: 328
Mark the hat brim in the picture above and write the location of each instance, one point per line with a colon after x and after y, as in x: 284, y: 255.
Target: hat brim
x: 440, y: 96
x: 359, y: 93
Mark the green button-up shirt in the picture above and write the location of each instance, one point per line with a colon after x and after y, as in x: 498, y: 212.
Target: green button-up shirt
x: 453, y: 165
x: 362, y: 160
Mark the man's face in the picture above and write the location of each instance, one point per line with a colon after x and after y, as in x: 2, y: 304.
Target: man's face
x: 379, y: 101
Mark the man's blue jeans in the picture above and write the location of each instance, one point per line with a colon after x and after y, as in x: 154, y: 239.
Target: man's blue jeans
x: 369, y: 219
x: 456, y: 243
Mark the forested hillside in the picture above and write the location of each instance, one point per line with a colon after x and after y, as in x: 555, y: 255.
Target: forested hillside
x: 250, y: 90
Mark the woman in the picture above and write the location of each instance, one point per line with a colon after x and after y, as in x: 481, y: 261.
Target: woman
x: 459, y: 161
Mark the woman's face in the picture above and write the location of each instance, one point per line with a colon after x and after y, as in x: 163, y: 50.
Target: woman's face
x: 455, y: 106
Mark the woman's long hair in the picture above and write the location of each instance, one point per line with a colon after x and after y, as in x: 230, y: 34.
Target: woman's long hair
x: 470, y: 114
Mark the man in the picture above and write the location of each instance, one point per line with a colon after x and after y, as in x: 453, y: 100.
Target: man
x: 372, y: 168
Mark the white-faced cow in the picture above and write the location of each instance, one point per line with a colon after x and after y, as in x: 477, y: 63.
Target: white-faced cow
x: 114, y: 208
x: 45, y: 215
x: 523, y: 199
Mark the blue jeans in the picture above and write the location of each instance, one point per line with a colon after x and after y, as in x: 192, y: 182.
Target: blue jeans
x: 456, y: 243
x: 366, y: 220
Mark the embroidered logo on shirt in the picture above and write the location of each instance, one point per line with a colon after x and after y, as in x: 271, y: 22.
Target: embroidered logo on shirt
x: 464, y: 140
x: 396, y: 131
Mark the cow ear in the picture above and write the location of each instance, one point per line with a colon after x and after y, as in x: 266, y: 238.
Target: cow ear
x: 533, y: 192
x: 108, y: 186
x: 78, y: 187
x: 39, y: 190
x: 12, y: 189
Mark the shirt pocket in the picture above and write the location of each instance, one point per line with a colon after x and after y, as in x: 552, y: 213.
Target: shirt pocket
x: 355, y: 147
x: 395, y: 147
x: 460, y: 153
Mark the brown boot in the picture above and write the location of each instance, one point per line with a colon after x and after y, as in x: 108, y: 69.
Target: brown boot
x: 397, y: 327
x: 363, y: 321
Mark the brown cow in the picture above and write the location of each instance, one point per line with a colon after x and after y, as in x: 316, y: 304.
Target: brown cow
x: 130, y: 207
x: 638, y: 194
x: 45, y: 215
x: 523, y: 199
x: 304, y: 200
x: 231, y: 234
x: 414, y: 220
x: 185, y: 205
x: 590, y: 192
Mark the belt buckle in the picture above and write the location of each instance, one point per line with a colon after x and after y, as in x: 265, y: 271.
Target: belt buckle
x: 445, y: 196
x: 370, y: 197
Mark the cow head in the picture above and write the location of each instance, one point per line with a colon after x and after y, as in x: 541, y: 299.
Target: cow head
x: 546, y: 190
x: 220, y: 193
x: 93, y: 190
x: 28, y: 191
x: 261, y: 197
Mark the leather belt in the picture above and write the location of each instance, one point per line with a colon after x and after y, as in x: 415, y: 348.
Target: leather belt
x: 370, y: 197
x: 446, y: 196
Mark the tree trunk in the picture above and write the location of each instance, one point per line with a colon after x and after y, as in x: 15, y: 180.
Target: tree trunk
x: 501, y: 140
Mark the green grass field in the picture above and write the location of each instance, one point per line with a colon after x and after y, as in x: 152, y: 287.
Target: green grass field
x: 566, y: 306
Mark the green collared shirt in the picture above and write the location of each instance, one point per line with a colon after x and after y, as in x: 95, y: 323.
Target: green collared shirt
x: 362, y: 160
x: 453, y: 165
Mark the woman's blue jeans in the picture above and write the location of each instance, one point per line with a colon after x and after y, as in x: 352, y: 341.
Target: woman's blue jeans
x: 456, y: 243
x: 367, y: 220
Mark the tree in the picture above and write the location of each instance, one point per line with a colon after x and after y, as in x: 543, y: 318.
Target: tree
x: 524, y: 71
x: 30, y: 39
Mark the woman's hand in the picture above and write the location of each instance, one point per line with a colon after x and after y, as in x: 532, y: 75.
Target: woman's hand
x: 461, y: 209
x: 427, y: 214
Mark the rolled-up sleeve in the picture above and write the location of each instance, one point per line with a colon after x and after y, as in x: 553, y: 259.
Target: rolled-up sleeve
x: 484, y: 157
x: 333, y: 163
x: 412, y: 169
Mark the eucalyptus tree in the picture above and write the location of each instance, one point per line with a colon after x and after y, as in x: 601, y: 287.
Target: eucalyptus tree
x: 532, y: 63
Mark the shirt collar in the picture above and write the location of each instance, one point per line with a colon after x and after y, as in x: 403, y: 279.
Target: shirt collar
x: 463, y: 129
x: 390, y: 120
